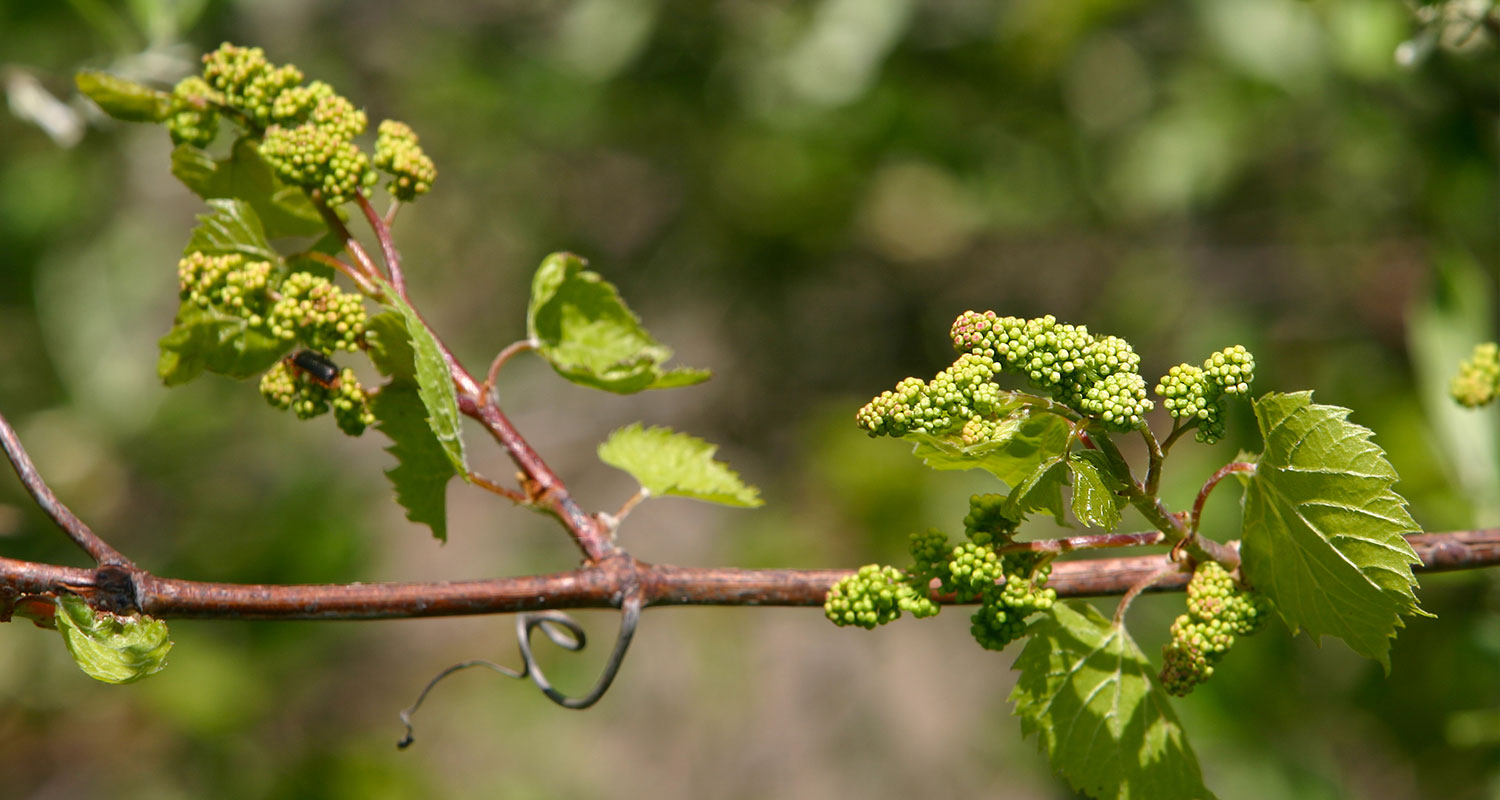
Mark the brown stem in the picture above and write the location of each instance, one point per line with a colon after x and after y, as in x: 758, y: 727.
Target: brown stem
x: 74, y: 527
x: 605, y: 585
x: 1142, y: 585
x: 1156, y: 512
x: 351, y: 244
x: 630, y: 504
x: 503, y: 356
x: 490, y: 486
x: 1156, y: 454
x: 1233, y: 467
x: 549, y: 491
x: 1092, y: 542
x: 359, y: 279
x: 387, y: 244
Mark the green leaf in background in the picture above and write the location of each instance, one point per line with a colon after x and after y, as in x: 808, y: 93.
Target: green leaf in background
x: 1024, y: 439
x: 109, y: 647
x: 1323, y: 530
x: 206, y: 339
x: 585, y: 331
x: 124, y: 99
x: 1094, y: 504
x: 283, y: 209
x: 390, y: 345
x: 1089, y: 695
x: 670, y: 463
x: 232, y: 227
x: 434, y: 382
x: 422, y: 469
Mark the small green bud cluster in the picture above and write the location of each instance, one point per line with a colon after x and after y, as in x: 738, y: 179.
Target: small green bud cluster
x: 248, y: 82
x: 229, y: 283
x: 1478, y: 380
x: 1004, y: 607
x: 874, y: 596
x: 1198, y: 394
x: 959, y: 395
x: 317, y: 158
x: 1096, y: 375
x: 972, y: 570
x: 988, y: 522
x: 286, y: 387
x: 397, y: 153
x: 193, y: 119
x: 1009, y: 588
x: 929, y: 554
x: 318, y: 313
x: 1218, y: 611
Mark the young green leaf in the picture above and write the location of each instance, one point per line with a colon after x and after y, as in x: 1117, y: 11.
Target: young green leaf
x: 390, y: 346
x: 232, y: 227
x: 422, y: 469
x: 1023, y: 440
x: 284, y: 210
x: 1041, y: 491
x: 434, y: 382
x: 1094, y: 504
x: 670, y: 463
x: 1323, y: 530
x: 1089, y: 695
x: 124, y: 99
x: 587, y: 333
x: 109, y: 647
x: 206, y: 339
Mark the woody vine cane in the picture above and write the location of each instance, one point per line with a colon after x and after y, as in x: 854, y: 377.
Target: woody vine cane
x: 275, y: 286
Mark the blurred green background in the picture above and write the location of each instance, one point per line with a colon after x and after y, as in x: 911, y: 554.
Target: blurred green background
x: 799, y: 196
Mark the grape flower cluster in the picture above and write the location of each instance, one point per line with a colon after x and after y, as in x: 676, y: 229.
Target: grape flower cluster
x: 1218, y: 611
x: 306, y: 132
x: 1008, y: 588
x: 1478, y: 380
x: 230, y: 284
x: 299, y: 307
x: 1097, y: 376
x: 287, y: 387
x: 311, y: 309
x: 397, y: 153
x: 1199, y: 393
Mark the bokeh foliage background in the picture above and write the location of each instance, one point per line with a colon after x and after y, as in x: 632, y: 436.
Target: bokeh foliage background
x: 799, y: 196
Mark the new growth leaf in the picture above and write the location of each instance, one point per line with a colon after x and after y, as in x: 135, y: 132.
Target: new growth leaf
x: 665, y: 462
x: 1324, y: 531
x: 110, y: 647
x: 1087, y: 692
x: 586, y: 332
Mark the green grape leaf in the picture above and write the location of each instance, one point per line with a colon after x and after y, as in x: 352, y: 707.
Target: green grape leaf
x: 422, y: 469
x: 1094, y: 504
x: 1024, y: 439
x: 1323, y: 530
x: 1088, y: 694
x: 434, y: 381
x: 232, y: 227
x: 669, y: 463
x: 1041, y: 491
x: 207, y: 339
x: 283, y: 209
x: 590, y: 337
x: 124, y: 99
x: 110, y: 647
x: 390, y: 346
